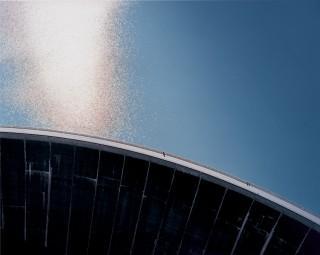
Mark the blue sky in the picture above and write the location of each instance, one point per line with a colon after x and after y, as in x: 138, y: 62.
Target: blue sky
x: 233, y: 85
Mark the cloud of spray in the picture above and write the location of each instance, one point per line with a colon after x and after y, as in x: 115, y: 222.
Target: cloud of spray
x: 69, y: 71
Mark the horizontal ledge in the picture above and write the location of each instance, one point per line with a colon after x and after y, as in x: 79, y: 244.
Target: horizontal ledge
x: 13, y: 132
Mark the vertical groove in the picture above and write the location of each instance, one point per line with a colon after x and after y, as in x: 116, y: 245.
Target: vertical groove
x: 265, y: 245
x: 302, y: 241
x: 214, y: 222
x: 140, y: 208
x: 25, y: 189
x: 70, y: 206
x: 48, y: 198
x: 241, y: 229
x: 94, y: 202
x: 189, y: 215
x: 1, y: 204
x: 116, y: 207
x: 164, y: 212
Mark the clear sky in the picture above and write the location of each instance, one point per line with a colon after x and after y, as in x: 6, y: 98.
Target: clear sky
x: 234, y: 85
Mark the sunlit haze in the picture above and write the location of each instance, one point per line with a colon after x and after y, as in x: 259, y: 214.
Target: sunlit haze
x: 71, y: 79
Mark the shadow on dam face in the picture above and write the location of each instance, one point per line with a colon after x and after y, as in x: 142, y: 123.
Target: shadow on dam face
x: 65, y: 196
